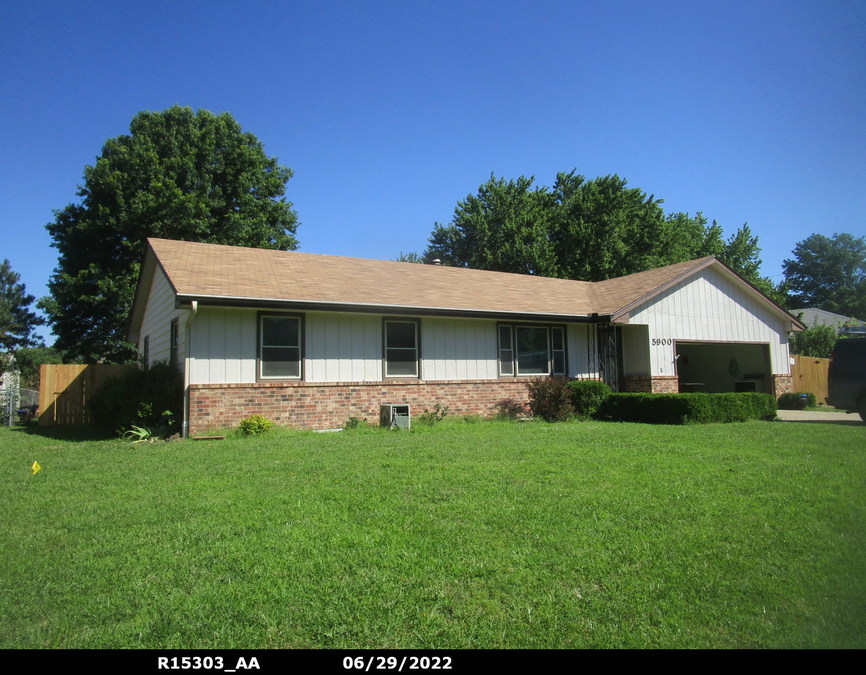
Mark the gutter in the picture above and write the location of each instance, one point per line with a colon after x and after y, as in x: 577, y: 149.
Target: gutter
x: 407, y: 310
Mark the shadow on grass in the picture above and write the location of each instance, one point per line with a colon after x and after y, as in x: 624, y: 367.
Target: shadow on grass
x: 69, y: 434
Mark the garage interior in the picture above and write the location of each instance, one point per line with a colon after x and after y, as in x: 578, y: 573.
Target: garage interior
x: 720, y: 367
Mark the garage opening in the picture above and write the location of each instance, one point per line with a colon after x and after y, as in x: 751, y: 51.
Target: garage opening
x: 720, y: 367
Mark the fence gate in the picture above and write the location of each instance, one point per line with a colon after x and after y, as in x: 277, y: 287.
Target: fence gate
x: 64, y: 391
x: 809, y: 375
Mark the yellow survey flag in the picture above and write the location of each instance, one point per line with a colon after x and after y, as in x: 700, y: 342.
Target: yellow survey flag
x: 35, y: 467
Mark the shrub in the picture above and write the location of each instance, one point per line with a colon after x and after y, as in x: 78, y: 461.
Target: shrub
x: 797, y: 401
x: 255, y: 425
x: 430, y: 417
x: 587, y: 396
x: 355, y: 422
x: 550, y: 398
x: 140, y: 398
x: 687, y: 408
x: 510, y: 409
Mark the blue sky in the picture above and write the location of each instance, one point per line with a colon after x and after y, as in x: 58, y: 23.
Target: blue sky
x: 391, y: 112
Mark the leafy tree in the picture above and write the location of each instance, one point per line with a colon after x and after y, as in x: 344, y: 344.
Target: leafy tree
x: 582, y: 229
x: 504, y: 227
x: 16, y: 320
x: 604, y: 229
x: 828, y: 274
x: 179, y: 174
x: 29, y: 360
x: 816, y: 341
x: 410, y: 257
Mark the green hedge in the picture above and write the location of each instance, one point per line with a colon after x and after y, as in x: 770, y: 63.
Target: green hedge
x: 687, y: 408
x: 797, y: 401
x: 139, y: 397
x: 587, y: 396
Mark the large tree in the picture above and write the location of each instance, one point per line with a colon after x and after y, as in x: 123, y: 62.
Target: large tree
x: 828, y: 274
x: 16, y: 320
x: 582, y: 229
x: 178, y: 174
x: 504, y: 227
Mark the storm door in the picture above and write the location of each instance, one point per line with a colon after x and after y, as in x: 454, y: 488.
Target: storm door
x: 610, y: 355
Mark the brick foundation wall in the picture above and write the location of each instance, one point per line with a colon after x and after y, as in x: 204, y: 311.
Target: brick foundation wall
x: 782, y: 384
x: 640, y: 384
x: 646, y: 384
x: 322, y: 405
x: 669, y: 384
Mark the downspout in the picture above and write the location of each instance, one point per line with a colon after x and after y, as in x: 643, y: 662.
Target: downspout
x: 187, y: 332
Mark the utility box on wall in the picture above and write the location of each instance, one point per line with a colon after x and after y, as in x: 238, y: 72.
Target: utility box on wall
x: 394, y: 416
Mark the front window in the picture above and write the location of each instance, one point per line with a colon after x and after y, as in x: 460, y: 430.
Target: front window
x: 531, y: 350
x: 280, y: 347
x: 401, y: 349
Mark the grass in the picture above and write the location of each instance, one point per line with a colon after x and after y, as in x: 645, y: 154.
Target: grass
x: 459, y: 535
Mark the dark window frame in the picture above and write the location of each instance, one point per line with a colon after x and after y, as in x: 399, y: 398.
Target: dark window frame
x: 173, y: 342
x: 260, y: 317
x: 508, y: 357
x: 395, y: 319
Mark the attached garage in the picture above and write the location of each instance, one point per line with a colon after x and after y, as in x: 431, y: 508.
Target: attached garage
x: 718, y: 367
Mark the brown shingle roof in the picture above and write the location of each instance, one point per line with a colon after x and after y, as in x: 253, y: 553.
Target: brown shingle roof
x: 212, y: 271
x: 235, y: 275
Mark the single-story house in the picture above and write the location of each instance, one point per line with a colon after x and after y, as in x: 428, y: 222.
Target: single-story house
x: 310, y: 340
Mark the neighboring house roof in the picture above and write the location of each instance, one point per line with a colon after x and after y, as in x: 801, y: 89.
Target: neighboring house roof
x: 234, y: 276
x: 820, y: 317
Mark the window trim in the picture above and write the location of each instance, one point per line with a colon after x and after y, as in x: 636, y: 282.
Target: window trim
x: 399, y: 319
x: 512, y: 349
x: 260, y: 317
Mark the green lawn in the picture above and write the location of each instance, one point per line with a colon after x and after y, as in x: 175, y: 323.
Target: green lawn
x: 464, y: 535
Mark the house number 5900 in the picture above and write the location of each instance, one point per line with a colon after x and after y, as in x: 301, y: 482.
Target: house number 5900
x: 662, y: 341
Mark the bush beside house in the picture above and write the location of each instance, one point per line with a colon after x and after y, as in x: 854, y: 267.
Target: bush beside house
x: 688, y: 408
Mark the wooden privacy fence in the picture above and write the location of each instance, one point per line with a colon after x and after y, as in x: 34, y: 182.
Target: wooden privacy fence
x: 810, y: 375
x: 65, y: 389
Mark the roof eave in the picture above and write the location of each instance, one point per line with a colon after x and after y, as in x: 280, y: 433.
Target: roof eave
x: 372, y: 308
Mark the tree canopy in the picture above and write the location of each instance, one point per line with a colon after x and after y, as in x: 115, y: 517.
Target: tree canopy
x: 178, y: 174
x: 828, y: 274
x: 589, y: 230
x: 816, y: 341
x: 16, y: 320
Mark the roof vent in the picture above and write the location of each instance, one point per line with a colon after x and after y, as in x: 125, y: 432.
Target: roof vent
x: 435, y: 261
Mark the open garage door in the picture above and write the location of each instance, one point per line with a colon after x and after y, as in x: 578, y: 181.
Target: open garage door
x: 719, y: 367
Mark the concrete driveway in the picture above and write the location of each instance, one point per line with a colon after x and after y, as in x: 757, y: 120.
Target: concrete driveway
x: 820, y: 417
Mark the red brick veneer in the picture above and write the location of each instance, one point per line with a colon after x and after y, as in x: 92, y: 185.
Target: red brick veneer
x: 783, y: 384
x: 645, y: 384
x: 323, y: 405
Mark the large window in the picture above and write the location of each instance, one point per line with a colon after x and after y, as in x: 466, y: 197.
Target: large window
x: 401, y: 348
x: 280, y: 352
x: 531, y: 350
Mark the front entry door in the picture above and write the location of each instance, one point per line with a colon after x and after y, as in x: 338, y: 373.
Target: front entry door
x: 610, y: 355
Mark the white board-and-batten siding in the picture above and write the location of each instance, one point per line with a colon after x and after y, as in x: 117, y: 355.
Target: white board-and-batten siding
x: 342, y: 347
x: 156, y: 325
x: 710, y: 307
